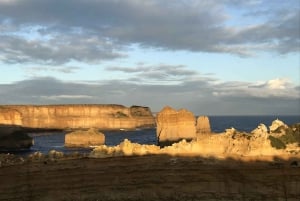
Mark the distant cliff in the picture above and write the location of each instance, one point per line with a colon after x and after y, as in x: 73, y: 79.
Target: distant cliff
x: 77, y: 116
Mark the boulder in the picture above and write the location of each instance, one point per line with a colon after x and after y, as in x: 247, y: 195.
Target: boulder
x: 173, y: 126
x: 203, y: 125
x: 83, y: 138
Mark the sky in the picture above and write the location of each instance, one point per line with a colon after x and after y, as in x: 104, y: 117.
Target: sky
x: 212, y: 57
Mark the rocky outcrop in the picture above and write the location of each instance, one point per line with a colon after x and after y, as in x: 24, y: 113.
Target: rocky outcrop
x: 230, y: 143
x: 14, y: 138
x: 261, y: 130
x: 278, y: 126
x: 91, y: 137
x: 77, y: 116
x: 203, y: 125
x: 173, y: 126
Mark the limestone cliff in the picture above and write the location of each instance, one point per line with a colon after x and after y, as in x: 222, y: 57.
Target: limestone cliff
x: 76, y: 116
x: 203, y: 125
x: 175, y: 125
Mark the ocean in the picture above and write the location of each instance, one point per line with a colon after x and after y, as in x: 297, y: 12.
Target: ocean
x: 44, y: 142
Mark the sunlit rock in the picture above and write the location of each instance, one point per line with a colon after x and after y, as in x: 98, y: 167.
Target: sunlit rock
x: 83, y: 138
x: 77, y: 116
x: 230, y: 131
x: 261, y: 131
x: 125, y: 148
x: 173, y: 126
x: 277, y: 126
x: 203, y: 125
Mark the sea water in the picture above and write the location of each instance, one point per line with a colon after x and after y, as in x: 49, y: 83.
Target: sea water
x: 44, y: 142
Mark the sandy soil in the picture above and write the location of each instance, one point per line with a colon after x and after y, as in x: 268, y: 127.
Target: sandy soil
x: 157, y: 177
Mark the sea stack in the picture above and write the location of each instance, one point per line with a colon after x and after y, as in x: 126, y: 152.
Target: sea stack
x: 203, y: 125
x: 173, y: 126
x: 91, y: 137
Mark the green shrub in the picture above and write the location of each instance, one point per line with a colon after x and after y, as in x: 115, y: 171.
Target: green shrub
x: 290, y: 137
x: 277, y: 143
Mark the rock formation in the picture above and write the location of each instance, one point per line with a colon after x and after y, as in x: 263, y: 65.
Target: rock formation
x: 261, y: 130
x: 14, y: 138
x: 230, y: 143
x: 77, y: 116
x: 87, y: 138
x: 203, y: 125
x: 173, y: 126
x: 277, y: 126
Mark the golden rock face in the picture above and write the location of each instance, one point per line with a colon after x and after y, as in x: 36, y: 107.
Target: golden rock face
x: 175, y: 125
x: 87, y: 138
x: 77, y: 116
x: 203, y: 125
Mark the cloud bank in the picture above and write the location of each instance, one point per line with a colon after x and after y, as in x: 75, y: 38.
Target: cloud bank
x: 201, y: 94
x: 57, y: 32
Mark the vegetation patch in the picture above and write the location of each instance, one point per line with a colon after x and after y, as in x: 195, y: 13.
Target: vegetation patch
x: 290, y: 137
x: 120, y: 115
x: 277, y: 143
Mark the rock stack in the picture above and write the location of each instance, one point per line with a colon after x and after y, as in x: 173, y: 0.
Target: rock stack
x: 87, y: 138
x: 203, y: 125
x: 173, y: 126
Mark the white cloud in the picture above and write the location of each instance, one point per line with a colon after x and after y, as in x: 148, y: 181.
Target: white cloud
x: 275, y: 88
x: 279, y: 83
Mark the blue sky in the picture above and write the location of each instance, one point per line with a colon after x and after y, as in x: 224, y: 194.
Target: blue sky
x: 215, y: 57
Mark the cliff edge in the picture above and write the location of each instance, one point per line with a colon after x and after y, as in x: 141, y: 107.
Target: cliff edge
x: 77, y: 116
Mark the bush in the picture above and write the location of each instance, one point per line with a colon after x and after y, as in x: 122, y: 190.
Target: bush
x: 290, y: 137
x: 277, y: 143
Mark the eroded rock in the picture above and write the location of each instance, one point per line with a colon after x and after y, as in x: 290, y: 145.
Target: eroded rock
x: 203, y: 125
x: 81, y: 138
x: 261, y: 130
x: 173, y: 126
x: 278, y: 126
x: 77, y: 116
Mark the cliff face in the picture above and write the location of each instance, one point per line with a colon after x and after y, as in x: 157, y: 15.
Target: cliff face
x: 76, y: 116
x: 203, y: 125
x: 175, y: 125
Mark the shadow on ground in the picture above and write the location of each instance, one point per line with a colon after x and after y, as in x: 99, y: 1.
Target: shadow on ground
x: 157, y: 177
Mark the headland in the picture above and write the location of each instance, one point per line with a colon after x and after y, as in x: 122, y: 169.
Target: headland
x: 198, y: 165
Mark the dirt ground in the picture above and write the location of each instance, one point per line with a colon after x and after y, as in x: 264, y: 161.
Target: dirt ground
x: 158, y: 177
